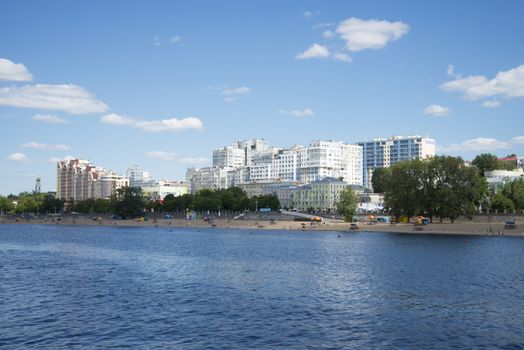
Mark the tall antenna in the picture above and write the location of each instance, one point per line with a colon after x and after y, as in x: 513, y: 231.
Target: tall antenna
x: 37, y: 185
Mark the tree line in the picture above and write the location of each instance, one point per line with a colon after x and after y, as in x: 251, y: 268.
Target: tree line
x: 42, y: 203
x: 130, y: 202
x: 443, y: 187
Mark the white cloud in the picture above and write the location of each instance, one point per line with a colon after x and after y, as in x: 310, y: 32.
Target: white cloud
x: 193, y: 160
x: 13, y: 71
x: 508, y: 84
x: 362, y: 34
x: 43, y: 146
x: 491, y: 104
x: 17, y: 157
x: 172, y: 124
x: 478, y: 144
x: 57, y: 159
x: 519, y: 140
x: 436, y: 110
x: 116, y: 119
x: 51, y: 119
x: 175, y: 39
x: 67, y: 97
x: 342, y: 57
x: 328, y: 34
x: 451, y: 70
x: 314, y: 51
x: 162, y: 155
x: 306, y: 112
x: 231, y: 93
x: 307, y: 14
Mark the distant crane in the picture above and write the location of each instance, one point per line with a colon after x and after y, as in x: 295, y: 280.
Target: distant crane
x: 37, y: 185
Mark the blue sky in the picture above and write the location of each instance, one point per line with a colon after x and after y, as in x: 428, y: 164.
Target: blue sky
x: 162, y: 83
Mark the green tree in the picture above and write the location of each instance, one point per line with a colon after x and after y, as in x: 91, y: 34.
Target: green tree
x: 51, y: 204
x: 514, y: 191
x: 347, y: 204
x: 404, y: 188
x: 439, y: 186
x: 265, y: 201
x: 501, y: 203
x: 379, y: 178
x: 485, y: 162
x: 6, y: 205
x: 128, y: 202
x: 27, y: 204
x: 451, y: 189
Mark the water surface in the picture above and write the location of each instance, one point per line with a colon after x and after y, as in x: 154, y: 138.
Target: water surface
x: 100, y: 287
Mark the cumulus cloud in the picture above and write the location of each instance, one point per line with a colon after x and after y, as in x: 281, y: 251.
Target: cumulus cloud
x: 360, y: 34
x: 67, y: 97
x: 436, y: 110
x: 13, y: 71
x: 507, y: 84
x: 162, y: 155
x: 17, y: 157
x: 491, y: 104
x: 357, y: 35
x: 172, y: 124
x: 193, y: 160
x: 306, y: 112
x: 478, y: 144
x: 51, y: 119
x: 58, y: 159
x: 314, y: 51
x: 519, y: 140
x: 43, y: 146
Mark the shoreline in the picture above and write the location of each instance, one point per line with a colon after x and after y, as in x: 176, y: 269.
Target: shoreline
x: 457, y: 228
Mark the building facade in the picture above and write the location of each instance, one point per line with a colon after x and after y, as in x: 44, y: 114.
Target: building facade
x: 321, y: 195
x: 382, y: 153
x: 78, y: 180
x: 158, y: 190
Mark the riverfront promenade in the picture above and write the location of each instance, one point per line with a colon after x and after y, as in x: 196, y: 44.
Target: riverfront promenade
x: 465, y: 227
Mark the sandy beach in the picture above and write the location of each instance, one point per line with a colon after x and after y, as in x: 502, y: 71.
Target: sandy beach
x: 458, y: 228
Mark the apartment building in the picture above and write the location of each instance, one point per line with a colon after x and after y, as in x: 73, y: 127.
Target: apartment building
x: 79, y: 180
x: 322, y: 195
x: 382, y: 153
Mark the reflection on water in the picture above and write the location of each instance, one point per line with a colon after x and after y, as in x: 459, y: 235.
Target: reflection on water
x: 196, y: 288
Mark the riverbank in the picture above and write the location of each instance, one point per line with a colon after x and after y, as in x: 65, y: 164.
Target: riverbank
x: 457, y: 228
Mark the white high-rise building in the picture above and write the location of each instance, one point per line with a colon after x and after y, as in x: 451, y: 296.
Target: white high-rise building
x: 252, y: 148
x: 138, y: 177
x: 228, y: 157
x: 331, y: 159
x: 382, y: 153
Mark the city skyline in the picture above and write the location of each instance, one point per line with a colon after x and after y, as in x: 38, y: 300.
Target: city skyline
x: 163, y: 84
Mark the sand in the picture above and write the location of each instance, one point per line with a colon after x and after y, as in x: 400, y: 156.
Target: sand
x: 457, y: 228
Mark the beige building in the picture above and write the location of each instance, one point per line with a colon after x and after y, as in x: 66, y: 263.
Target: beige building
x: 322, y: 195
x: 78, y: 180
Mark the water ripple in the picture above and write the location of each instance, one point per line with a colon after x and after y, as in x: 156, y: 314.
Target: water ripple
x: 98, y: 287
